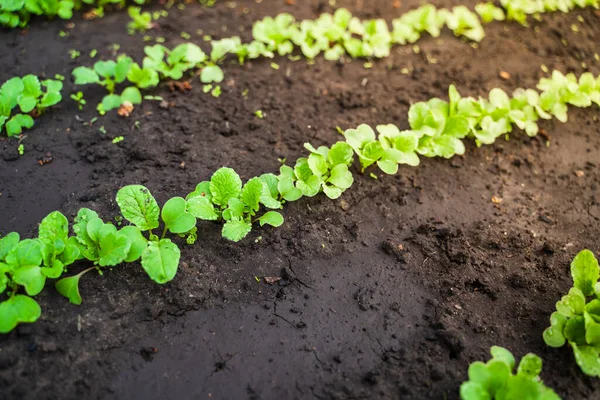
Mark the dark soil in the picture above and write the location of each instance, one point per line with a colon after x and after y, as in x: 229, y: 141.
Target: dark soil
x: 389, y: 292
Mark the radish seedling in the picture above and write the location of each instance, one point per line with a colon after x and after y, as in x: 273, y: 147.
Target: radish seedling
x: 577, y: 316
x: 29, y: 95
x: 496, y: 380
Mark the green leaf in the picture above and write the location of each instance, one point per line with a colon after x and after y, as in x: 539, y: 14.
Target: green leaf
x: 310, y: 187
x: 235, y: 230
x: 584, y: 270
x: 272, y: 218
x: 499, y: 371
x: 32, y: 90
x: 553, y: 337
x: 54, y: 226
x: 15, y: 125
x: 143, y: 77
x: 251, y: 193
x: 575, y: 330
x: 587, y: 358
x: 340, y: 153
x: 571, y: 304
x: 287, y: 189
x: 71, y: 252
x: 132, y: 95
x: 105, y: 69
x: 501, y: 354
x: 341, y: 177
x: 11, y: 90
x: 27, y: 253
x: 333, y: 192
x: 211, y: 73
x: 176, y: 217
x: 111, y: 101
x: 31, y: 277
x: 202, y: 189
x: 235, y: 209
x: 7, y: 243
x: 85, y: 76
x: 69, y: 288
x: 592, y: 330
x: 138, y: 206
x: 360, y: 136
x: 84, y: 216
x: 270, y: 182
x: 530, y: 366
x: 113, y: 248
x: 224, y: 185
x: 18, y: 309
x: 55, y: 270
x: 317, y: 164
x: 160, y: 260
x: 474, y: 391
x: 138, y: 242
x: 12, y: 5
x: 52, y: 85
x: 50, y: 99
x: 202, y: 208
x: 121, y: 69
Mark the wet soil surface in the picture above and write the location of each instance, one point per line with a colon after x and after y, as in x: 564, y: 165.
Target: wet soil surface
x: 389, y: 292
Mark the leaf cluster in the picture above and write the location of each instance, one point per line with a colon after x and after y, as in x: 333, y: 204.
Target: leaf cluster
x: 17, y: 13
x: 518, y: 10
x: 28, y: 263
x: 109, y: 74
x: 496, y: 380
x: 26, y: 95
x: 438, y: 127
x: 577, y: 316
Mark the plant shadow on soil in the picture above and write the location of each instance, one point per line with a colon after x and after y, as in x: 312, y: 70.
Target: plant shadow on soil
x: 389, y: 292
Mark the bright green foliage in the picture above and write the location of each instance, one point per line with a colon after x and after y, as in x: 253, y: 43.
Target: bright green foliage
x: 143, y: 78
x: 161, y: 260
x: 18, y: 309
x: 109, y: 74
x: 15, y: 13
x: 172, y: 64
x: 518, y: 10
x: 29, y: 95
x: 176, y: 217
x: 139, y: 207
x: 324, y: 170
x: 496, y: 380
x: 225, y: 198
x: 577, y: 316
x: 211, y: 73
x: 561, y: 90
x: 140, y: 21
x: 489, y: 12
x: 464, y: 22
x: 439, y: 127
x: 29, y: 263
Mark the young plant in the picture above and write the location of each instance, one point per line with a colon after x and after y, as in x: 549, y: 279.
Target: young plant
x: 78, y: 98
x: 28, y: 263
x: 109, y: 74
x: 489, y: 12
x: 172, y: 64
x: 140, y: 21
x: 224, y: 198
x: 577, y: 317
x: 464, y: 22
x: 496, y: 380
x: 15, y: 13
x: 31, y: 96
x: 324, y: 170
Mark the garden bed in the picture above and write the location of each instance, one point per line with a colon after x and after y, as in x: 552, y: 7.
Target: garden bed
x: 390, y: 291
